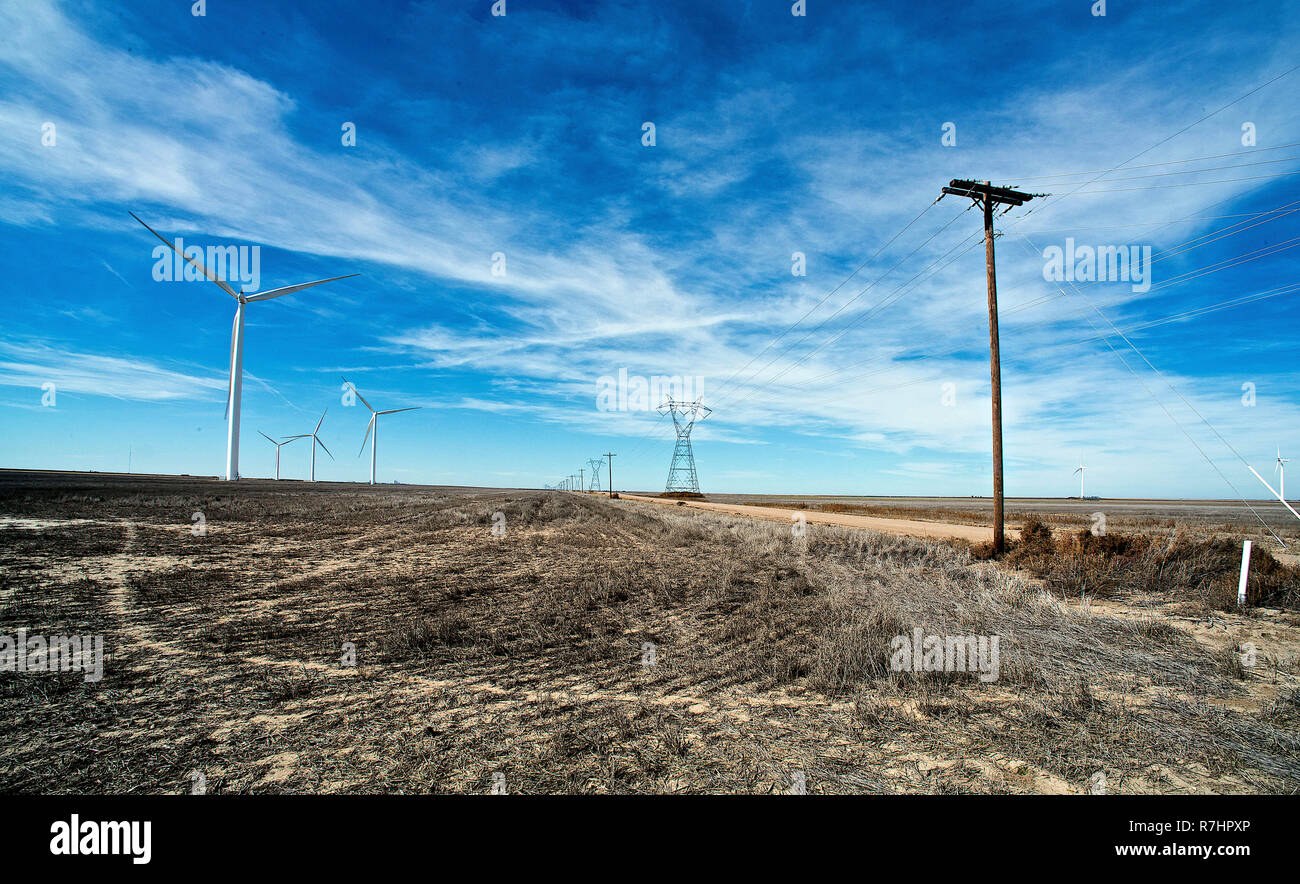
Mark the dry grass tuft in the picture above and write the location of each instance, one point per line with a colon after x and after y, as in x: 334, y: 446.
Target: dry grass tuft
x: 1177, y: 567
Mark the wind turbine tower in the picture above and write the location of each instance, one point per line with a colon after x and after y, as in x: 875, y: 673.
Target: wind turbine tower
x: 1081, y: 471
x: 372, y: 426
x: 277, y: 445
x: 315, y: 440
x: 235, y: 384
x: 1280, y: 469
x: 681, y: 474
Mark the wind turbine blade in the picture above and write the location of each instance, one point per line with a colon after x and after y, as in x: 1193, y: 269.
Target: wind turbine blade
x: 322, y: 445
x: 290, y: 289
x: 367, y: 438
x: 267, y: 438
x: 359, y: 396
x: 319, y: 422
x: 396, y: 410
x: 288, y: 439
x: 212, y: 276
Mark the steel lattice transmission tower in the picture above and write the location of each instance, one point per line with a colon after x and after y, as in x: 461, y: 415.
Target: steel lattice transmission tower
x: 681, y: 475
x: 597, y: 464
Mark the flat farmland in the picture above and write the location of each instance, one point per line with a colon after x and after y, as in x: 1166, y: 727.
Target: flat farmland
x: 1221, y: 515
x: 343, y: 638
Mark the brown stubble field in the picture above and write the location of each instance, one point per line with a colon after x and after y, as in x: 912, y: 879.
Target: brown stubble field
x: 522, y: 660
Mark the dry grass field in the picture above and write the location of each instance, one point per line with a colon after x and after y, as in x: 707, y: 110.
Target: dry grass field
x: 525, y: 660
x: 1221, y: 517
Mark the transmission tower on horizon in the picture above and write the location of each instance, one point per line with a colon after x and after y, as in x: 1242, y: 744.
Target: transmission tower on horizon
x: 681, y: 475
x: 596, y: 464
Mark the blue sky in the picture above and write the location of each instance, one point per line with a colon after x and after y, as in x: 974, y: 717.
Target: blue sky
x: 774, y: 134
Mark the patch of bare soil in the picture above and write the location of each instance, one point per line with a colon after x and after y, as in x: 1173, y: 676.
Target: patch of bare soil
x: 827, y: 516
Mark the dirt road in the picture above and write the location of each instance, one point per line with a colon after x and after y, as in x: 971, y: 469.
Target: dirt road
x: 910, y: 527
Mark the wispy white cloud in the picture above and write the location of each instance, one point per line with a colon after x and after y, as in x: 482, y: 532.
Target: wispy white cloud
x: 32, y: 365
x: 688, y: 270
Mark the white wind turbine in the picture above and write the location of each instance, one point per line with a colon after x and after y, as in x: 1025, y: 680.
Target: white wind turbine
x: 1280, y: 470
x: 315, y: 441
x: 277, y: 450
x: 1080, y: 471
x: 373, y: 426
x: 1278, y: 494
x: 236, y: 380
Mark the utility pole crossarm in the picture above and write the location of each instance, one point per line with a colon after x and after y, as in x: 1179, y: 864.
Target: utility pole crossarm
x: 981, y: 191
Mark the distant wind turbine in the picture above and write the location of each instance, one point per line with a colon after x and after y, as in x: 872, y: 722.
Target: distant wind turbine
x: 373, y: 426
x: 1277, y: 494
x: 236, y: 380
x: 277, y: 450
x: 1080, y: 471
x: 315, y: 441
x: 1280, y: 470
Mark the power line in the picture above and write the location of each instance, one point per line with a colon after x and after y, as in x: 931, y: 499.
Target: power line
x: 643, y: 439
x: 871, y: 312
x: 1047, y: 230
x: 1150, y: 365
x: 1268, y: 215
x: 1217, y: 156
x: 1172, y: 251
x: 1209, y: 308
x: 1053, y: 202
x: 1035, y: 302
x: 1259, y: 219
x: 1187, y: 183
x: 1049, y: 201
x: 828, y: 295
x: 1263, y: 252
x: 1183, y: 171
x: 918, y: 278
x: 930, y: 271
x: 1223, y: 305
x: 1164, y: 320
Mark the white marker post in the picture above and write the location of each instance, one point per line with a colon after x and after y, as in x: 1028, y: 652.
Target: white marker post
x: 1245, y: 571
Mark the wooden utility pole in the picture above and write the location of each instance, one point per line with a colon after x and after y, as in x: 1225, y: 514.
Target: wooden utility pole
x: 611, y: 473
x: 987, y: 197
